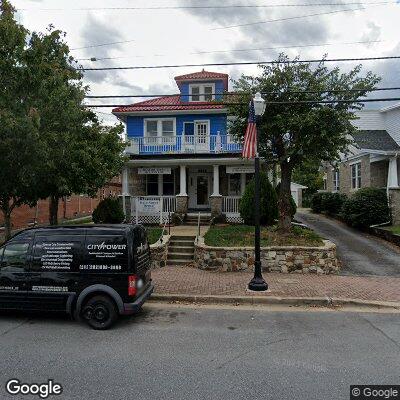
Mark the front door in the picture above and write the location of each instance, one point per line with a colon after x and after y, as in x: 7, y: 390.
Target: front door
x: 202, y: 191
x: 202, y: 137
x: 199, y: 190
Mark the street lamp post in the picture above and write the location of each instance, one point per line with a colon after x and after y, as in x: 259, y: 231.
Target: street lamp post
x: 257, y: 283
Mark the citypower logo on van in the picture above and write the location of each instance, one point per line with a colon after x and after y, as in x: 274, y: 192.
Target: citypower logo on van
x: 104, y: 246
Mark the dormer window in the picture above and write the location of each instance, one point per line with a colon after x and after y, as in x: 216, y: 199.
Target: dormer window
x: 202, y: 91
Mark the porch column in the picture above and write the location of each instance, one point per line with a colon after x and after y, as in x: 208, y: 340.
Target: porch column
x: 216, y: 198
x: 183, y: 190
x: 242, y: 183
x: 393, y: 180
x: 126, y: 198
x: 216, y: 181
x: 125, y: 182
x: 182, y: 197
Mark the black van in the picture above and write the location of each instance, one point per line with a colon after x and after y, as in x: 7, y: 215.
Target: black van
x: 93, y: 272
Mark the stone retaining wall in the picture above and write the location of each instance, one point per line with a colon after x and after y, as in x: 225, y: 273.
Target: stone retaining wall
x: 158, y: 253
x: 290, y: 259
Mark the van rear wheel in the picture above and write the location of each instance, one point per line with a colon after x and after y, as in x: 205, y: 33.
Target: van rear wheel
x: 99, y: 312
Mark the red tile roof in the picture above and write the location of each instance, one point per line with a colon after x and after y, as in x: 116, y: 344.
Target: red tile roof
x: 201, y: 76
x: 168, y: 103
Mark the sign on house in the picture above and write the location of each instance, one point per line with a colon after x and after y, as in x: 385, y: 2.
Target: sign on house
x: 240, y: 169
x: 154, y: 171
x: 149, y: 206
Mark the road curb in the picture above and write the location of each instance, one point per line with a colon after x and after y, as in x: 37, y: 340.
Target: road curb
x: 273, y: 300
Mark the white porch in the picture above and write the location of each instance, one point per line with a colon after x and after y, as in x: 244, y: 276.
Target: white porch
x: 152, y: 194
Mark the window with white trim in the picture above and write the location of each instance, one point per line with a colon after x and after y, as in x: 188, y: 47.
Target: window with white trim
x: 356, y: 175
x: 234, y: 184
x: 152, y: 185
x: 168, y: 184
x: 202, y: 92
x: 336, y: 179
x: 159, y: 128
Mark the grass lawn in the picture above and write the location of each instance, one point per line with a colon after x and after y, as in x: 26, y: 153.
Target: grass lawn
x: 243, y: 235
x: 394, y: 229
x: 153, y: 233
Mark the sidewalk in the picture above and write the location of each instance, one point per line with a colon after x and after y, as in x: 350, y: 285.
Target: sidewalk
x: 192, y: 281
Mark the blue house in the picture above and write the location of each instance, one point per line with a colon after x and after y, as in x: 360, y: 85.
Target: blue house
x: 182, y: 158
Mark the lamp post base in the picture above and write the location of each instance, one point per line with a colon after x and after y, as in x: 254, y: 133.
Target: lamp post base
x: 258, y: 284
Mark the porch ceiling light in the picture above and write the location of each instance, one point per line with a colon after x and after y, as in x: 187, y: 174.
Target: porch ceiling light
x: 259, y: 104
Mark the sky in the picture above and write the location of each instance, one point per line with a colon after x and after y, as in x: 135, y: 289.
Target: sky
x: 160, y: 36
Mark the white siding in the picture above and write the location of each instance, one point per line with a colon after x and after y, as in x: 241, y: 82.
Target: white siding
x: 392, y: 123
x: 369, y: 120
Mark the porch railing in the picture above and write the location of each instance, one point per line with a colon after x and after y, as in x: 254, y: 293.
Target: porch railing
x: 152, y: 209
x: 230, y: 207
x: 182, y: 144
x: 230, y: 204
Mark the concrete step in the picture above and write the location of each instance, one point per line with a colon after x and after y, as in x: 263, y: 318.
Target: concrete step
x: 181, y: 243
x: 182, y: 238
x: 181, y: 249
x: 179, y: 256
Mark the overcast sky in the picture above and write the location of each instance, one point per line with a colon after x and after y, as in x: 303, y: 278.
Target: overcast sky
x: 160, y: 36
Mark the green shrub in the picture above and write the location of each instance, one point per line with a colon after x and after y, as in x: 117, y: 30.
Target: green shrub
x: 108, y: 211
x: 268, y: 202
x: 316, y: 202
x: 366, y: 207
x: 332, y: 203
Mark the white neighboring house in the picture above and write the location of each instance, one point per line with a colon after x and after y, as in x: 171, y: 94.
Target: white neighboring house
x: 297, y: 193
x: 373, y: 160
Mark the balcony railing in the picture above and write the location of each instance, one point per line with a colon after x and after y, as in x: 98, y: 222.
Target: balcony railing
x: 184, y: 144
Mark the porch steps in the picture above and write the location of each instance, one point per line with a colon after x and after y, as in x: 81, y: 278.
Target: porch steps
x: 192, y: 220
x: 180, y: 250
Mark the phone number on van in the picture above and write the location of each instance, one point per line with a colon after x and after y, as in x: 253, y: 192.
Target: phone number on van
x: 100, y: 267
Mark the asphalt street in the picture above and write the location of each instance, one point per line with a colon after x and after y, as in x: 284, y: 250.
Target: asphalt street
x: 360, y: 254
x: 178, y: 352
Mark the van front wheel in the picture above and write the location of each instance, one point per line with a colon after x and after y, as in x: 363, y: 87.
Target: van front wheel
x: 99, y: 312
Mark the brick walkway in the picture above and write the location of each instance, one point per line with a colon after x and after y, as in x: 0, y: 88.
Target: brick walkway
x: 192, y: 281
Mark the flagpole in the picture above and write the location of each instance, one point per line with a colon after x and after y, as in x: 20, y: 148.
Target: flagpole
x: 257, y: 283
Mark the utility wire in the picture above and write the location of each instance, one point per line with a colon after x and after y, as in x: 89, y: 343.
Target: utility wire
x: 237, y: 50
x: 242, y: 103
x: 240, y: 63
x: 243, y: 93
x: 202, y: 7
x: 289, y: 18
x: 102, y: 44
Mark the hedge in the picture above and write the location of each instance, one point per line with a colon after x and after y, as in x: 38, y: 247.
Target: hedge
x: 366, y: 207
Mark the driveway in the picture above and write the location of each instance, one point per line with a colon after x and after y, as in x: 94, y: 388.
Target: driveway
x: 360, y: 254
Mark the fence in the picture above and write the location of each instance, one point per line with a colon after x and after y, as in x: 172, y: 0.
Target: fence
x: 152, y: 209
x: 230, y: 207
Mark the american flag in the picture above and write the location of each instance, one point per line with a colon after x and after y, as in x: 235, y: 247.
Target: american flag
x: 250, y: 137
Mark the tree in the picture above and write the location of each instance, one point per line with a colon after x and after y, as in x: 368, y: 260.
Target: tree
x: 308, y: 174
x: 301, y: 128
x: 19, y: 139
x: 81, y: 155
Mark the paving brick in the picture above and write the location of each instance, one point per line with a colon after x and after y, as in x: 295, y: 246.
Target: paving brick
x: 192, y: 281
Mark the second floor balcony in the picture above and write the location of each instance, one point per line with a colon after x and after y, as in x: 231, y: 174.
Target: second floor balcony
x: 184, y: 144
